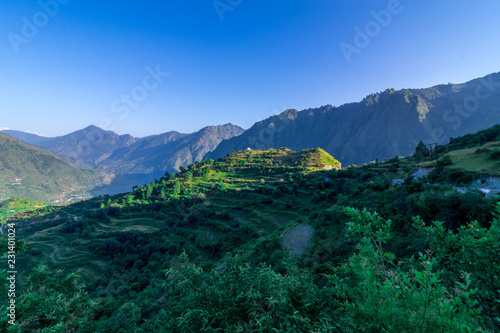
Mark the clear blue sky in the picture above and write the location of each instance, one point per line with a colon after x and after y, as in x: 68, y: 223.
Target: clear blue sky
x: 263, y: 57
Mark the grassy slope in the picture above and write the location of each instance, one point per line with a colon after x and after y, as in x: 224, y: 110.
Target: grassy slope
x: 472, y: 153
x: 11, y: 207
x: 29, y: 172
x: 258, y: 196
x: 254, y: 188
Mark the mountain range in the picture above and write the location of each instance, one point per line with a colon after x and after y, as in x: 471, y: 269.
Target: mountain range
x: 129, y: 160
x: 381, y: 126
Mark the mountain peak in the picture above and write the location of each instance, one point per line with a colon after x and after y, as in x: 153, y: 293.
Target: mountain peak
x: 289, y: 114
x: 94, y: 128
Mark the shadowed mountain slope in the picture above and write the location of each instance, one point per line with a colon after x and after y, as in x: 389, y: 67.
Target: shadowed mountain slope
x: 380, y: 126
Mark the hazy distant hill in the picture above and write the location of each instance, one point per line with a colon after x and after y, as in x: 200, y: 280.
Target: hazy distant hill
x: 167, y: 152
x: 382, y: 125
x: 130, y: 160
x: 85, y: 148
x: 32, y: 139
x: 32, y: 173
x: 88, y: 147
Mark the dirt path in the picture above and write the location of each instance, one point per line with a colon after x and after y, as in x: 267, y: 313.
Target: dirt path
x: 56, y: 249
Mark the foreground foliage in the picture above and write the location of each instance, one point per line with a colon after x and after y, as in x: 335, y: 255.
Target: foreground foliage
x: 452, y: 287
x: 204, y: 250
x: 372, y: 291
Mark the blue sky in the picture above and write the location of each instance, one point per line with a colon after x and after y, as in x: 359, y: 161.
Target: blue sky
x: 77, y: 63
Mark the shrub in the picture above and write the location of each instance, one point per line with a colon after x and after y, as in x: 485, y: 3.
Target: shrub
x: 482, y: 150
x: 445, y: 160
x: 495, y: 155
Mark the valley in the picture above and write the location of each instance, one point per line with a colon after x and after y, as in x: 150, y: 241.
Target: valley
x: 381, y: 126
x: 250, y: 166
x: 274, y: 215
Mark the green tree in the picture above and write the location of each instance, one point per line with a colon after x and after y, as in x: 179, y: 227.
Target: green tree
x: 239, y: 298
x: 51, y: 302
x: 421, y: 151
x: 189, y: 176
x: 380, y: 293
x: 177, y: 187
x: 149, y: 191
x: 445, y: 160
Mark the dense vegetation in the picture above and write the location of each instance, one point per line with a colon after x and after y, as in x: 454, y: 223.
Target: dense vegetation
x: 268, y: 241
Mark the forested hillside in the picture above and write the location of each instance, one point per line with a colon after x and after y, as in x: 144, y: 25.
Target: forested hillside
x: 270, y: 239
x: 32, y: 173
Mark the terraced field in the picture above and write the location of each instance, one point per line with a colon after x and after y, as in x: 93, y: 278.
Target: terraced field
x: 59, y: 250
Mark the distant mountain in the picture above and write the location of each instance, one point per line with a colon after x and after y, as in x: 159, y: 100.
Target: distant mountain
x: 167, y: 152
x: 30, y: 138
x: 85, y: 148
x: 382, y: 125
x: 88, y: 147
x: 128, y: 160
x: 32, y: 173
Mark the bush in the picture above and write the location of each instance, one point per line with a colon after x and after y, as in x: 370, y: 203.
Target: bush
x: 495, y: 155
x: 482, y: 150
x: 445, y: 160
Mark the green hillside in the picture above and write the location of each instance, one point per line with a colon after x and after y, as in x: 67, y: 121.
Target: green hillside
x: 32, y: 173
x: 11, y: 207
x: 262, y: 240
x: 478, y: 153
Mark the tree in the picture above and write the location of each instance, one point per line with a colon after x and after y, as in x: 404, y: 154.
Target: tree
x: 239, y: 298
x: 189, y: 176
x: 177, y: 187
x: 380, y: 293
x: 149, y: 191
x: 51, y: 302
x: 129, y: 199
x: 495, y: 155
x: 421, y: 151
